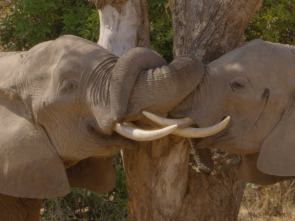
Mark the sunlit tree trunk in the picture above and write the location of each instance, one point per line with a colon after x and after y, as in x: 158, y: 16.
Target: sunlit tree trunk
x: 161, y: 181
x: 123, y: 24
x: 207, y: 29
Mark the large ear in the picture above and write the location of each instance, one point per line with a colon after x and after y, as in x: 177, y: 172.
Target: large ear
x: 29, y: 165
x: 94, y: 174
x: 249, y: 172
x: 277, y: 154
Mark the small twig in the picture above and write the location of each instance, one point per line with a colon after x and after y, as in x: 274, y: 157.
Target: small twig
x: 5, y: 3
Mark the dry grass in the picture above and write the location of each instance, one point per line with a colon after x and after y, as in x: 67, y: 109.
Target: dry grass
x: 269, y: 203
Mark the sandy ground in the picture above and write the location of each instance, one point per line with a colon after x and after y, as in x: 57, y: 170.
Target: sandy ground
x: 246, y: 215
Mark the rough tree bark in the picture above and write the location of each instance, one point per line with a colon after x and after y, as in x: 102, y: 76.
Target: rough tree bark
x: 160, y: 182
x: 123, y: 24
x: 207, y: 29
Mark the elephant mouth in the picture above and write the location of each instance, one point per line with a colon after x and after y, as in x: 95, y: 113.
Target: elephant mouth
x: 93, y: 130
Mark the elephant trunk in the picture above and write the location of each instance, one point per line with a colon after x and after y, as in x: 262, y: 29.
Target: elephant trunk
x: 161, y: 89
x: 148, y: 83
x: 127, y: 69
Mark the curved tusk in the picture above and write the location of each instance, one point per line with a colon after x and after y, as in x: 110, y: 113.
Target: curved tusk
x: 183, y: 122
x: 189, y: 131
x: 202, y: 132
x: 142, y: 135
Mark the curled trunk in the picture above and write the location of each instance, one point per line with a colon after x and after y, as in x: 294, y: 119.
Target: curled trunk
x: 127, y: 70
x: 143, y: 81
x: 161, y: 89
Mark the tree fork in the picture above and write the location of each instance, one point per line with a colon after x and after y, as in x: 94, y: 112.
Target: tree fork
x: 160, y: 183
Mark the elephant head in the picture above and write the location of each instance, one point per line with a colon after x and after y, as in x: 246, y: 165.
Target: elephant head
x: 255, y: 86
x: 64, y: 109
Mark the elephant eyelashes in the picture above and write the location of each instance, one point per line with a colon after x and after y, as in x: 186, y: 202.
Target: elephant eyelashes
x: 237, y: 83
x: 68, y: 86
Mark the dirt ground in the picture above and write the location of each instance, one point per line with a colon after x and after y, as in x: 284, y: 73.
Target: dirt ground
x: 246, y: 215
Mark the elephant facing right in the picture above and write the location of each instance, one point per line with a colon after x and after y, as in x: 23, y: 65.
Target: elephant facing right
x: 255, y: 86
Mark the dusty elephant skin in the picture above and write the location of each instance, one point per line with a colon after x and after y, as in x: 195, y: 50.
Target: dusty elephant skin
x: 65, y: 107
x: 59, y: 104
x: 255, y: 86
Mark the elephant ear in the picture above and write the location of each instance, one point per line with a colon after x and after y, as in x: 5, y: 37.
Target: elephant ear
x: 29, y: 165
x: 249, y: 172
x: 277, y: 154
x: 94, y: 174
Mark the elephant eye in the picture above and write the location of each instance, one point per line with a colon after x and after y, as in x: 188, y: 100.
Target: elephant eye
x: 68, y: 86
x: 237, y: 83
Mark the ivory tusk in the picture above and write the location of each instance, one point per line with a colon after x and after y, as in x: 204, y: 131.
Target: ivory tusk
x: 142, y: 135
x: 189, y: 131
x: 183, y: 122
x: 202, y: 132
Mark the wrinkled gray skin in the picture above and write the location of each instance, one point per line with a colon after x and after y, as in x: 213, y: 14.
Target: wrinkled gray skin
x: 255, y: 86
x: 59, y: 102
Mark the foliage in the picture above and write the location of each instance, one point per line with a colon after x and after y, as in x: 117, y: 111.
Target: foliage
x: 86, y: 205
x: 29, y: 22
x: 161, y: 32
x: 274, y: 22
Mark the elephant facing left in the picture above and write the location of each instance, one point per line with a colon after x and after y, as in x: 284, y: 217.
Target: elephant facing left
x: 64, y: 105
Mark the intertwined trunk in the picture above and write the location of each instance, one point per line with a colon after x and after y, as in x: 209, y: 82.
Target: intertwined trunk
x: 162, y: 182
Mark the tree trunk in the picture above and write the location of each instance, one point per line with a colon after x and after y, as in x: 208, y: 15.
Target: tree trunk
x: 160, y: 182
x: 157, y: 179
x: 207, y: 29
x: 161, y: 186
x: 123, y: 24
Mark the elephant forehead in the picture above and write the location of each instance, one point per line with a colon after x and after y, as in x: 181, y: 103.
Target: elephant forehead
x: 258, y: 54
x: 261, y: 62
x: 67, y: 47
x: 67, y: 56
